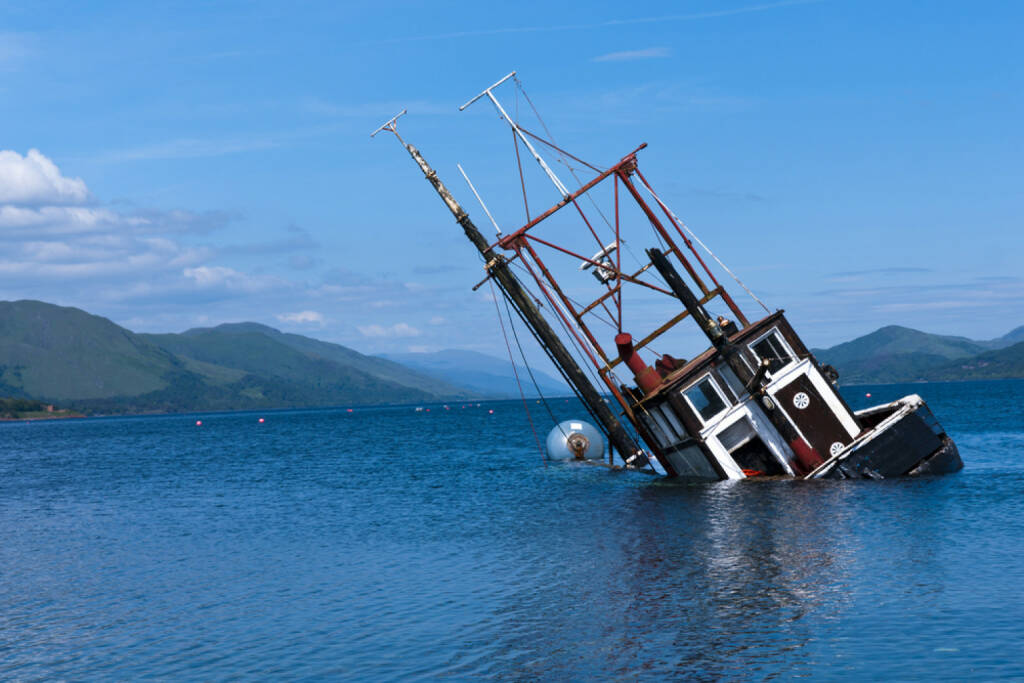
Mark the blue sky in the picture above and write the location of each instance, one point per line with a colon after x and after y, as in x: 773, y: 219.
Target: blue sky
x: 856, y: 163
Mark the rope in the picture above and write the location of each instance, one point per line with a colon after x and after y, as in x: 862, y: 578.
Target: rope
x: 701, y: 243
x: 526, y: 364
x: 516, y: 373
x: 572, y: 171
x: 573, y: 348
x: 522, y: 181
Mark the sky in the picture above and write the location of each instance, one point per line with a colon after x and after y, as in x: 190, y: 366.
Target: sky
x: 182, y: 164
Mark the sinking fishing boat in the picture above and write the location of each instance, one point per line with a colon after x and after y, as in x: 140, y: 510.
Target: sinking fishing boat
x: 755, y: 403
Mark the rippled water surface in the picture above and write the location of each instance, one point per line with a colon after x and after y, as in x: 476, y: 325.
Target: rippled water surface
x: 393, y: 544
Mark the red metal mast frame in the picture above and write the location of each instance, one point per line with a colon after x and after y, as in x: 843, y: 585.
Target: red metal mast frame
x: 523, y: 243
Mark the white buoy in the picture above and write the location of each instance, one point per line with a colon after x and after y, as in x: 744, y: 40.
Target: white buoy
x: 575, y: 440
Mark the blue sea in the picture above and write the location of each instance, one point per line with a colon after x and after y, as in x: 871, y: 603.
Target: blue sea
x: 391, y: 544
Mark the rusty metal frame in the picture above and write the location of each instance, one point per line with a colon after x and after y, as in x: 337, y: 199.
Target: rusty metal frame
x: 522, y: 243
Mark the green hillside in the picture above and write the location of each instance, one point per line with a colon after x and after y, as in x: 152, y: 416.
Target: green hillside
x: 901, y: 354
x: 375, y: 366
x: 88, y: 363
x: 999, y: 364
x: 285, y: 367
x: 51, y: 352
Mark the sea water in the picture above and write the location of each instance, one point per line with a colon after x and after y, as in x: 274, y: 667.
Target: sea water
x: 391, y: 543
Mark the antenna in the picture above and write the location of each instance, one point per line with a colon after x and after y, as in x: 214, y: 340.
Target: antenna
x: 391, y: 125
x: 497, y: 105
x: 480, y: 199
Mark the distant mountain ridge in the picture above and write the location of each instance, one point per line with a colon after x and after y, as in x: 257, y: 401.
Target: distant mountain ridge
x: 78, y: 360
x: 902, y: 354
x: 481, y: 373
x: 85, y: 362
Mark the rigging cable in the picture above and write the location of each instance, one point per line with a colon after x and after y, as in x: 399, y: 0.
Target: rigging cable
x: 516, y: 373
x: 694, y: 236
x: 572, y: 171
x: 561, y: 370
x: 526, y: 364
x: 573, y: 348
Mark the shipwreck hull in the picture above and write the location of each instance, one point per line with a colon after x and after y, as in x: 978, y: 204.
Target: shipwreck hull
x: 755, y: 403
x: 902, y: 438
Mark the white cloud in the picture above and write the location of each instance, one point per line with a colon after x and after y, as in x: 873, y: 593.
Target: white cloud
x: 222, y: 277
x: 396, y: 330
x: 34, y: 179
x: 630, y: 55
x: 302, y: 317
x: 437, y: 320
x: 60, y: 220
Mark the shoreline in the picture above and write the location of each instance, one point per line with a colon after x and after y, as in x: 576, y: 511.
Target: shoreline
x: 36, y: 418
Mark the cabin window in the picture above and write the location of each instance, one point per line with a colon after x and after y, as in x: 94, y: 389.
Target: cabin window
x: 772, y: 347
x: 706, y: 398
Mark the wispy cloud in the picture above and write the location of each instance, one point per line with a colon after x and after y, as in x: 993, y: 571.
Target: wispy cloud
x: 296, y: 239
x: 189, y: 148
x: 303, y: 318
x: 631, y: 55
x: 896, y: 270
x: 321, y: 107
x: 195, y: 148
x: 857, y: 276
x: 396, y: 330
x: 694, y: 16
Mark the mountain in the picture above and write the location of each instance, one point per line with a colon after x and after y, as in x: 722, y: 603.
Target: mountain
x: 894, y: 354
x: 69, y: 357
x: 998, y: 364
x: 1010, y: 338
x: 901, y: 354
x: 84, y: 362
x: 259, y: 350
x: 52, y: 352
x: 479, y: 372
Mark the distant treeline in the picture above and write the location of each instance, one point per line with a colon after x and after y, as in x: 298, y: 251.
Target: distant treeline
x: 14, y: 407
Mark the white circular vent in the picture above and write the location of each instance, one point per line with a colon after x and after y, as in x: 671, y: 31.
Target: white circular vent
x: 835, y: 448
x: 801, y: 400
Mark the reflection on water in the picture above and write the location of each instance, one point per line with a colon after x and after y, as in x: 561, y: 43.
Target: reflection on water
x: 320, y: 544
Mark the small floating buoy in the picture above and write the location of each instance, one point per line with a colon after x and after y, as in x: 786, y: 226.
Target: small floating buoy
x: 490, y: 412
x: 261, y: 420
x: 868, y: 395
x: 574, y: 440
x: 349, y: 410
x: 199, y: 423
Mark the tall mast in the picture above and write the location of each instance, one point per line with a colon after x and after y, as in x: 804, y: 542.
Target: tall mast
x: 497, y: 267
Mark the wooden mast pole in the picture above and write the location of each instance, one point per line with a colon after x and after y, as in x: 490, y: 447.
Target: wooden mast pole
x: 498, y: 268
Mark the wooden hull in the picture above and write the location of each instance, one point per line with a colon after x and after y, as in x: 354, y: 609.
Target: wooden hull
x: 906, y: 441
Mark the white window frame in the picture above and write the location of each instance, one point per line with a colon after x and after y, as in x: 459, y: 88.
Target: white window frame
x: 782, y: 341
x: 718, y: 390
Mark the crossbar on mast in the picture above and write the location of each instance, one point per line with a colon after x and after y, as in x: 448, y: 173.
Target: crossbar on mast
x: 391, y: 125
x: 559, y: 185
